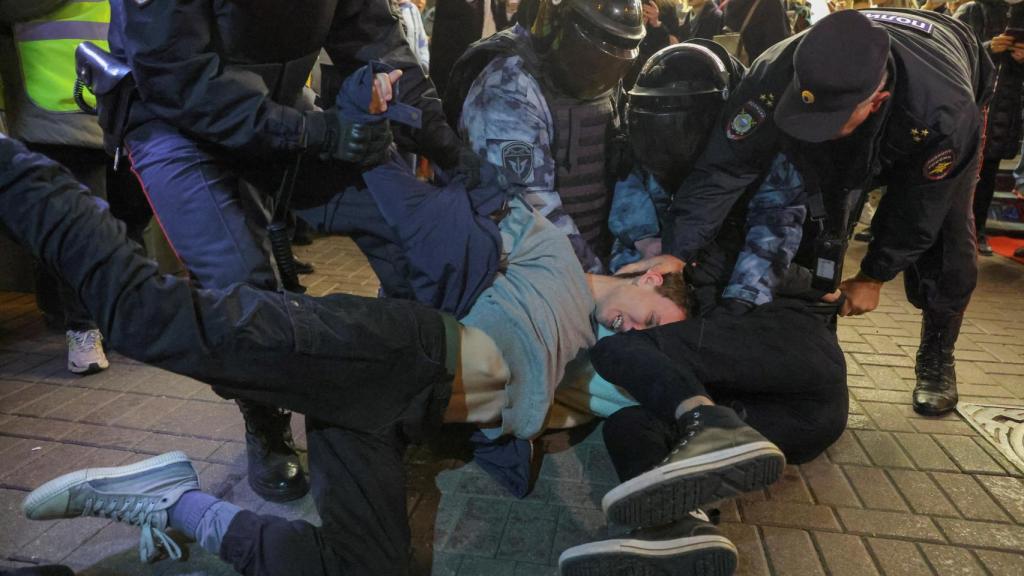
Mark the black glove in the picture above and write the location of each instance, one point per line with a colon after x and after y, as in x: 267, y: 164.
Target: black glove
x: 469, y: 166
x: 333, y: 136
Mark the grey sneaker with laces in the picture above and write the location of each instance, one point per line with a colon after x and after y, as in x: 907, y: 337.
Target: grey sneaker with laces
x: 717, y: 456
x: 690, y: 546
x: 139, y: 494
x: 85, y: 352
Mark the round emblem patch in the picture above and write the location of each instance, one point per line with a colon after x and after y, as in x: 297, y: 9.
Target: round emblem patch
x: 807, y: 96
x: 940, y: 165
x: 745, y: 121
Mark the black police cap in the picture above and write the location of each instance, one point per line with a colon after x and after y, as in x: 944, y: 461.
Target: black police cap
x: 838, y: 65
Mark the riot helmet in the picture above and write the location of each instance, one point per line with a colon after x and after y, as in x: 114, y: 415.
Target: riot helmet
x: 587, y: 46
x: 674, y: 105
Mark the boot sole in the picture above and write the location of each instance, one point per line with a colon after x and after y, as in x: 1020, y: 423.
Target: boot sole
x: 63, y: 483
x: 92, y: 368
x: 668, y: 493
x: 694, y: 555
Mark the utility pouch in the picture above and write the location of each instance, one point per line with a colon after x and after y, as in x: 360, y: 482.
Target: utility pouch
x: 110, y: 80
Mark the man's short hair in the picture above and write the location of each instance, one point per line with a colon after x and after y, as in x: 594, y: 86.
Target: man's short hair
x: 672, y: 286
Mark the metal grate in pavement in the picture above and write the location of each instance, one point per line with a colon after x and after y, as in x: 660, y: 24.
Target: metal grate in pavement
x: 1001, y: 425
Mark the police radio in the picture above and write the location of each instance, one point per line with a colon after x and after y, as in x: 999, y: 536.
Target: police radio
x: 829, y: 253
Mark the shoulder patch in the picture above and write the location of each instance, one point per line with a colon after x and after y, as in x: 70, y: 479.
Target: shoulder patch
x: 905, y: 21
x: 746, y: 120
x: 940, y: 165
x: 517, y: 156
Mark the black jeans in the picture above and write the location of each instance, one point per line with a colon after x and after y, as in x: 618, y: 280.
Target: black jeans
x: 371, y: 374
x: 984, y: 191
x: 779, y: 364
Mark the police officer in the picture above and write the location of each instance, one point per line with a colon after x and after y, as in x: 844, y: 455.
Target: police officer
x: 38, y: 67
x: 892, y: 97
x: 218, y: 111
x: 539, y: 102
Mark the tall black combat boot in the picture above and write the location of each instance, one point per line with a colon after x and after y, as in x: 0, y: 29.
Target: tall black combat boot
x: 274, y: 469
x: 935, y: 393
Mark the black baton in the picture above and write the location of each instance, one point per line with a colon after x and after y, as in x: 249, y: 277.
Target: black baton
x: 280, y: 244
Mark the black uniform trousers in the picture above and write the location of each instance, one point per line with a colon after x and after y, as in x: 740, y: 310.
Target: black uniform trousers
x: 370, y: 374
x: 779, y: 366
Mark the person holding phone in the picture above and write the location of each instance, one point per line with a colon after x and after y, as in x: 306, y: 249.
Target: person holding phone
x: 999, y: 25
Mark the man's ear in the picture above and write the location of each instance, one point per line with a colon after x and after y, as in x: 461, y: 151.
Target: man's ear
x: 651, y: 278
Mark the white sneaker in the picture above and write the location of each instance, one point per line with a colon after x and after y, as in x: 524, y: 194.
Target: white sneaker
x: 85, y: 352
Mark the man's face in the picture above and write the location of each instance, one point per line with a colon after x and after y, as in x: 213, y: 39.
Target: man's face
x: 636, y: 305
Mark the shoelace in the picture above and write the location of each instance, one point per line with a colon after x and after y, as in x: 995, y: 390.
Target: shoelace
x: 87, y: 339
x: 137, y: 512
x: 691, y: 426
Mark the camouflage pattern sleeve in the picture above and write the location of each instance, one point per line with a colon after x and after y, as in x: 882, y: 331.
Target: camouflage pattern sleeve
x: 638, y: 205
x: 775, y: 220
x: 506, y: 120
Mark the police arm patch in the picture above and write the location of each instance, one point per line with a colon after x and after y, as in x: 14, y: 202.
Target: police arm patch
x: 745, y: 121
x: 940, y: 165
x: 517, y: 156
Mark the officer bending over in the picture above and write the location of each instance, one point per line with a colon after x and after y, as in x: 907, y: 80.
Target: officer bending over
x: 863, y: 98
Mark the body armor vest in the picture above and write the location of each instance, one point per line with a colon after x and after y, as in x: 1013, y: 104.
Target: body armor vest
x: 581, y: 132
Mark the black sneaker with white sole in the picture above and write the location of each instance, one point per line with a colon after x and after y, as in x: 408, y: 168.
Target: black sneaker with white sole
x: 691, y: 546
x: 717, y: 456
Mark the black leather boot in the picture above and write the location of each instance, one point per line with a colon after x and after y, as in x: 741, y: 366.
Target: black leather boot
x: 274, y: 469
x: 935, y: 393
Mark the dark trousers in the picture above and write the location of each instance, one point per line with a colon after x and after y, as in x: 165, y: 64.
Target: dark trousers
x: 89, y: 166
x: 984, y: 192
x: 779, y: 364
x: 369, y: 373
x: 358, y: 485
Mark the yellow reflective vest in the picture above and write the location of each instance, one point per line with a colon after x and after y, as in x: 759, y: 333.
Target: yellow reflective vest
x: 46, y: 51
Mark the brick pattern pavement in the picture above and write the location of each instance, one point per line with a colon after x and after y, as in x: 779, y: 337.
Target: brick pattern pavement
x: 898, y: 494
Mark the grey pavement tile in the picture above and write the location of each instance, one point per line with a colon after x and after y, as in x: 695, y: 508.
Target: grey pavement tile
x: 844, y: 554
x: 950, y: 561
x: 752, y: 560
x: 112, y: 551
x: 791, y: 552
x: 16, y: 530
x: 924, y: 496
x: 791, y: 514
x: 473, y: 566
x: 790, y: 487
x: 195, y: 448
x: 969, y: 497
x: 990, y: 535
x: 526, y: 569
x: 891, y: 524
x: 577, y: 526
x: 847, y: 450
x: 577, y: 494
x: 899, y: 558
x: 105, y: 436
x: 479, y: 528
x: 968, y: 455
x: 1009, y: 492
x: 883, y: 449
x: 529, y: 533
x: 63, y: 538
x: 1001, y: 563
x: 874, y: 488
x: 828, y: 484
x: 925, y: 452
x: 567, y: 465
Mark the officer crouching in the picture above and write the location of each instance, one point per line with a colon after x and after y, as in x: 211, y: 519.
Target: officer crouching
x: 864, y: 98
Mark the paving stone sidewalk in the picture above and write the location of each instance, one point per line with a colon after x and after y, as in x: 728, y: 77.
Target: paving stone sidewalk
x: 899, y: 494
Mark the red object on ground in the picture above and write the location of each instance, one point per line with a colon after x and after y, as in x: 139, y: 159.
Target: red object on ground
x: 1004, y: 246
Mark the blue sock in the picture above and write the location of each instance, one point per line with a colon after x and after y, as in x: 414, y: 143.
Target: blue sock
x: 202, y: 518
x: 185, y: 514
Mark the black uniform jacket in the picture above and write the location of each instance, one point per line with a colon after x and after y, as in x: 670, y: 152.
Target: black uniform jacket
x: 231, y: 73
x: 924, y: 143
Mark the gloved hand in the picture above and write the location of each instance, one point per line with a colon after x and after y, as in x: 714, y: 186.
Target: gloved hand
x: 469, y: 166
x: 330, y: 134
